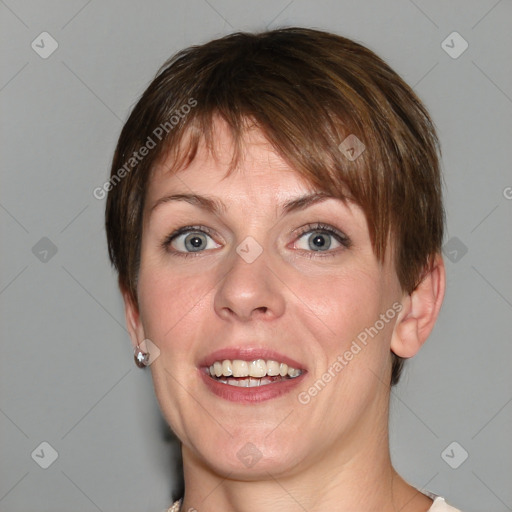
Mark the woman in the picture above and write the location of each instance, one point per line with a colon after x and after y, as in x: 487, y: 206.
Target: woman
x: 275, y: 217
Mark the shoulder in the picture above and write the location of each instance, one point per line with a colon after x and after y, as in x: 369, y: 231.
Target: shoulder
x: 440, y: 505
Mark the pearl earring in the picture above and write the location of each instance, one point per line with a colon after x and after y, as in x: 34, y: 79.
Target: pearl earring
x: 140, y: 357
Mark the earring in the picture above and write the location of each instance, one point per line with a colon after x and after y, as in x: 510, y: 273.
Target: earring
x: 140, y: 357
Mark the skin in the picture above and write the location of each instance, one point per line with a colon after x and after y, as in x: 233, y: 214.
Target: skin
x: 331, y: 453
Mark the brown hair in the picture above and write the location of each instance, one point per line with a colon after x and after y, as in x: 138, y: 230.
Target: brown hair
x: 307, y: 90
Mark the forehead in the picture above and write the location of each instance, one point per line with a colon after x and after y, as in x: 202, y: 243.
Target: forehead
x: 260, y: 171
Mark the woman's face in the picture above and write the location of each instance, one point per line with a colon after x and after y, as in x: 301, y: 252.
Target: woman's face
x: 256, y: 280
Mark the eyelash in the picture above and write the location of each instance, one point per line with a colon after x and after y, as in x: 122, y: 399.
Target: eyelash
x: 309, y: 228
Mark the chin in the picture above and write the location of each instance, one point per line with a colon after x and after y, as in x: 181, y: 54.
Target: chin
x: 244, y: 460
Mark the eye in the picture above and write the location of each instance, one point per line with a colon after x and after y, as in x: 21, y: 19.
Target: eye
x: 190, y: 239
x: 321, y: 238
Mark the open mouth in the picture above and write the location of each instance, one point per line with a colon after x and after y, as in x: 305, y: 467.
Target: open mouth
x: 253, y: 373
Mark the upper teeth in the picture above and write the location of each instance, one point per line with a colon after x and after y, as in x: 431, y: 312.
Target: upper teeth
x: 257, y: 368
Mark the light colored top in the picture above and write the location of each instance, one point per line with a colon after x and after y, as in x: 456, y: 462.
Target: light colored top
x: 439, y: 505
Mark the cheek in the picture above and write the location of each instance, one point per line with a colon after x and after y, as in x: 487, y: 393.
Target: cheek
x: 342, y: 313
x: 172, y: 310
x: 170, y: 304
x: 344, y: 303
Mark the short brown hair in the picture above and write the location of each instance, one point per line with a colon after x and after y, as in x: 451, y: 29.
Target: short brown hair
x: 307, y: 90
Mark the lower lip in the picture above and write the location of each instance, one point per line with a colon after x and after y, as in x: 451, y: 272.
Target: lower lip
x: 250, y: 395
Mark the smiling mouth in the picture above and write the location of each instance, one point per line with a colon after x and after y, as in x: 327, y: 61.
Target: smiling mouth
x: 248, y: 374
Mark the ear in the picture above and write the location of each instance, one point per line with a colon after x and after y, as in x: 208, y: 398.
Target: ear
x: 420, y: 311
x: 132, y: 316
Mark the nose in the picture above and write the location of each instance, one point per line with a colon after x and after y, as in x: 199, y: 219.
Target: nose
x: 249, y: 290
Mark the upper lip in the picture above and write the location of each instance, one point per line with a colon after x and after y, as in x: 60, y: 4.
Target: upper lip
x: 250, y: 354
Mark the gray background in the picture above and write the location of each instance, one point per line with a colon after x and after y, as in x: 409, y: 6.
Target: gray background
x: 66, y: 370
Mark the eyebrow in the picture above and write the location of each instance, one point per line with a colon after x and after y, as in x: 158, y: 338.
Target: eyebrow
x: 216, y: 206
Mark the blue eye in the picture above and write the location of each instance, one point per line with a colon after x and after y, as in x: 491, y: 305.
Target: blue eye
x: 318, y: 241
x: 190, y: 239
x: 321, y: 238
